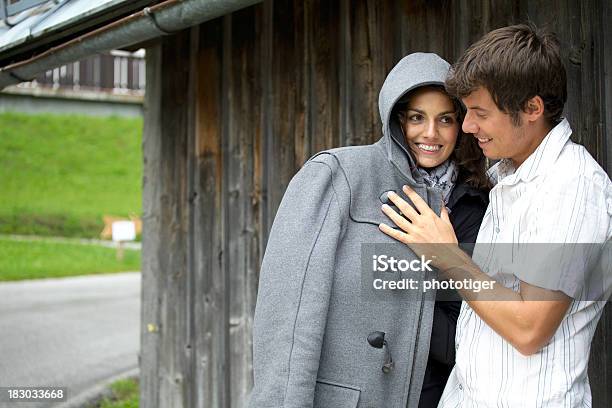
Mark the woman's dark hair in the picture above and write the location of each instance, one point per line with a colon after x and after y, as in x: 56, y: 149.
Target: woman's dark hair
x: 471, y: 162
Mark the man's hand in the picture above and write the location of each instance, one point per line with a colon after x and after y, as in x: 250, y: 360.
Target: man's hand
x: 526, y: 319
x: 422, y: 227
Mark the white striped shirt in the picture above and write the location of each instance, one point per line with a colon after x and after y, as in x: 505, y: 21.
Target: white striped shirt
x: 559, y: 194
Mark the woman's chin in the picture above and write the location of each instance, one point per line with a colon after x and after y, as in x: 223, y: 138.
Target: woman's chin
x: 429, y: 162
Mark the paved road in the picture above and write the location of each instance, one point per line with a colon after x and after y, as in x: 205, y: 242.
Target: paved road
x: 71, y: 332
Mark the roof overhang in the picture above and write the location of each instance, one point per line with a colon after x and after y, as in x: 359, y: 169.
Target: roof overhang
x: 35, y: 47
x: 52, y: 23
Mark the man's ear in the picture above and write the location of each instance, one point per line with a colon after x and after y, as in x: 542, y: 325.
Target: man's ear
x: 534, y: 109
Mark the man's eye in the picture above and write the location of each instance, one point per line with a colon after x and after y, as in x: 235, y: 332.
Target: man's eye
x: 481, y: 115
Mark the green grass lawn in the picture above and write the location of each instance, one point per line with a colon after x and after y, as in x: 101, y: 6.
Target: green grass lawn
x: 60, y: 173
x: 125, y: 394
x: 42, y: 259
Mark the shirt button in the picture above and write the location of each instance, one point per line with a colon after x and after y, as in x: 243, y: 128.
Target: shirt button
x: 460, y: 387
x: 496, y: 229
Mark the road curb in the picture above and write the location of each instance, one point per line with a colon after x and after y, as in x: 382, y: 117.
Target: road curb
x: 137, y: 246
x: 100, y: 391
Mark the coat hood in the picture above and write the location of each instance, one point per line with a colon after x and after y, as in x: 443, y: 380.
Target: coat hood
x: 411, y: 72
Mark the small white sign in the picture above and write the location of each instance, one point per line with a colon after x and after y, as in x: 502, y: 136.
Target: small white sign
x: 124, y: 231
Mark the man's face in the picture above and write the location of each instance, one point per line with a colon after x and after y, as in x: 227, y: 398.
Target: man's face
x: 497, y: 135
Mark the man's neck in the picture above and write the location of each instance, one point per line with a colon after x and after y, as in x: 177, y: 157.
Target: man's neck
x: 535, y: 134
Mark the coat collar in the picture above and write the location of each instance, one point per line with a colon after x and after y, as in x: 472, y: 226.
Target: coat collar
x: 369, y: 175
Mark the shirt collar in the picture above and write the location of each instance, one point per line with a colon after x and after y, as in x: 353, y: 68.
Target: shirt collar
x: 540, y: 160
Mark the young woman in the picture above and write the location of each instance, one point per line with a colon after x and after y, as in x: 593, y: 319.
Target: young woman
x: 451, y: 161
x: 319, y: 340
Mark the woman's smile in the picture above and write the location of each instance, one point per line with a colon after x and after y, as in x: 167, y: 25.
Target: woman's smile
x: 429, y: 148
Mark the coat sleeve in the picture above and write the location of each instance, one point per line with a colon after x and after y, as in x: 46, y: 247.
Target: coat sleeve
x: 294, y: 290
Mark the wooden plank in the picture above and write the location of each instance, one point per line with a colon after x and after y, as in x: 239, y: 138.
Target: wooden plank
x: 174, y: 221
x: 302, y: 134
x: 265, y: 24
x: 164, y: 322
x: 256, y: 217
x: 151, y: 232
x: 427, y: 26
x: 322, y: 42
x: 241, y: 208
x: 251, y: 103
x: 503, y: 13
x: 383, y: 58
x: 367, y: 48
x: 280, y: 114
x: 241, y: 124
x: 345, y: 74
x: 593, y: 101
x: 191, y: 389
x: 364, y: 93
x: 210, y: 303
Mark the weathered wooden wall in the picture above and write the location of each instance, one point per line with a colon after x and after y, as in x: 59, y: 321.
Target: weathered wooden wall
x: 233, y: 109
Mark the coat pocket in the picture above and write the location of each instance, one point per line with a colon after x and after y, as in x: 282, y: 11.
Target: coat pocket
x: 329, y: 394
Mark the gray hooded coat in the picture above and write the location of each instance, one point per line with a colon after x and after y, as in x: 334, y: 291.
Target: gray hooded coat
x: 311, y: 319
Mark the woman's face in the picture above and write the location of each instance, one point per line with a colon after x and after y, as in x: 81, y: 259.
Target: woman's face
x: 430, y: 126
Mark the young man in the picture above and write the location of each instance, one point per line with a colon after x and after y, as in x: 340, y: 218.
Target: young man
x: 527, y: 343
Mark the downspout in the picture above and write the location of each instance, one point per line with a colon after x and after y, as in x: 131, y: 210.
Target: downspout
x: 161, y: 19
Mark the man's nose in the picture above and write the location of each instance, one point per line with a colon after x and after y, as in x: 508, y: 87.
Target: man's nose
x: 469, y: 125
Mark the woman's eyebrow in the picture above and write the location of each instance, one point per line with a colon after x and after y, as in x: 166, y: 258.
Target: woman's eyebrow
x: 439, y: 114
x: 416, y: 110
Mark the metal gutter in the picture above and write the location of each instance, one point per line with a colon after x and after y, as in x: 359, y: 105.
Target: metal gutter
x: 54, y: 20
x: 151, y: 22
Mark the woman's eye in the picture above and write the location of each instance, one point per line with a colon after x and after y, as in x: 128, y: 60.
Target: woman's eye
x: 447, y: 119
x: 415, y: 118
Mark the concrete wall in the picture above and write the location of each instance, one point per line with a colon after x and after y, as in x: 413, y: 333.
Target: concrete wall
x: 62, y: 101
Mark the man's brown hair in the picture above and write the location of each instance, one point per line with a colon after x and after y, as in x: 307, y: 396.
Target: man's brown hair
x: 514, y: 64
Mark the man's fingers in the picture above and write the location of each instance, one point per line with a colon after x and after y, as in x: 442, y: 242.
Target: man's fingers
x: 396, y: 218
x: 419, y: 203
x: 403, y: 206
x: 444, y: 215
x: 395, y: 234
